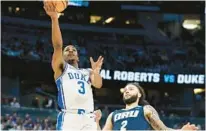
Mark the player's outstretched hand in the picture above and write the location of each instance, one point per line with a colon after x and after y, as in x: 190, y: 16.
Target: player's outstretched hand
x: 50, y: 9
x: 188, y: 126
x: 96, y: 66
x: 98, y: 115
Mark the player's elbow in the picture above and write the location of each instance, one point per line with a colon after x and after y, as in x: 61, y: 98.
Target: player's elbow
x: 97, y: 82
x: 98, y: 85
x: 57, y: 45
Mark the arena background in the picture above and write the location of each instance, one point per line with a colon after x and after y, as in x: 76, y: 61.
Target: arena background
x: 161, y: 45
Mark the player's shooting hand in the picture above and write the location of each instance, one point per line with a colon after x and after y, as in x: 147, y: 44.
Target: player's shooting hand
x: 188, y: 126
x: 96, y: 66
x: 50, y: 9
x: 98, y: 115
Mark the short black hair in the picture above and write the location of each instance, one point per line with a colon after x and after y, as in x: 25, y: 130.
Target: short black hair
x: 75, y: 46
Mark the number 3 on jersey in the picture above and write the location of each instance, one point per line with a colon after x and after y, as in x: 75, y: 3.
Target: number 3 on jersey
x: 123, y: 127
x: 82, y: 88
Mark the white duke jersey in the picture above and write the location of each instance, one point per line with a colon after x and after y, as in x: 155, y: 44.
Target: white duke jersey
x: 74, y: 89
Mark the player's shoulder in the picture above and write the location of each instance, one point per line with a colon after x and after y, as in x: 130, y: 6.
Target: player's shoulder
x: 85, y: 70
x: 111, y: 115
x: 148, y: 107
x: 81, y: 69
x: 88, y: 69
x: 148, y: 110
x: 116, y: 111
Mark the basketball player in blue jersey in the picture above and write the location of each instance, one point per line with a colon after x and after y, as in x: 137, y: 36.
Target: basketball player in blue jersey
x: 138, y: 114
x: 75, y: 97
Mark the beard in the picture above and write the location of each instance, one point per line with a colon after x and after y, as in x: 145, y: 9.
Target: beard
x: 130, y: 100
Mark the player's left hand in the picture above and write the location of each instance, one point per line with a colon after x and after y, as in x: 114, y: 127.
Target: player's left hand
x: 98, y: 115
x: 96, y: 66
x: 188, y: 126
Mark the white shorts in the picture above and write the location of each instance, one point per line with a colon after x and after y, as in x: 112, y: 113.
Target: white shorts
x: 74, y: 121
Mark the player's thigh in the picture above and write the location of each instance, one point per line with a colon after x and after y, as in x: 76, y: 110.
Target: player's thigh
x: 68, y: 121
x: 89, y: 127
x: 89, y: 123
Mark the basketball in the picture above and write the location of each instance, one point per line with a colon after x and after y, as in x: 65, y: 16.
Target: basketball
x: 61, y: 5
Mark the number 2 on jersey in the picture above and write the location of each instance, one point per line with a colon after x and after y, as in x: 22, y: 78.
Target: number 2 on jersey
x: 123, y: 127
x: 82, y: 88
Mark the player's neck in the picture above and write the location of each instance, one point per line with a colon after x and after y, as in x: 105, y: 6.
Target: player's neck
x: 130, y: 106
x: 75, y: 65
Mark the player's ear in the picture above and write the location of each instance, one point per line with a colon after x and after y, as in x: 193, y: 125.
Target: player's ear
x: 63, y: 54
x: 77, y: 58
x: 139, y: 95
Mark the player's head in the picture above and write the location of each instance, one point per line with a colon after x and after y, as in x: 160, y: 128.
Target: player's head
x: 70, y: 54
x: 133, y: 92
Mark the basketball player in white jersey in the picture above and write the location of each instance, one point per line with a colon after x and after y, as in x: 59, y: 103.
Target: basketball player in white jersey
x: 75, y: 96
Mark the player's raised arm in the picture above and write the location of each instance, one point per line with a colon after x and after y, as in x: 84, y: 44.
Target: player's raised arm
x: 108, y: 125
x: 95, y: 76
x: 57, y: 58
x: 153, y: 118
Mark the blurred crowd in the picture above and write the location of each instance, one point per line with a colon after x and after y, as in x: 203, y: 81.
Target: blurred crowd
x: 121, y: 52
x: 16, y: 122
x: 47, y: 103
x: 151, y: 59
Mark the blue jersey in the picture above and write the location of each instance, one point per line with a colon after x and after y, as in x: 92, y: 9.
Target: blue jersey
x: 132, y: 119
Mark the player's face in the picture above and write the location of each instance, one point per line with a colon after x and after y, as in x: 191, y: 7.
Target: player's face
x: 70, y: 54
x: 131, y: 94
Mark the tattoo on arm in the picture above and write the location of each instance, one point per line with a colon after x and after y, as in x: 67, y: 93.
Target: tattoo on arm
x: 154, y: 119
